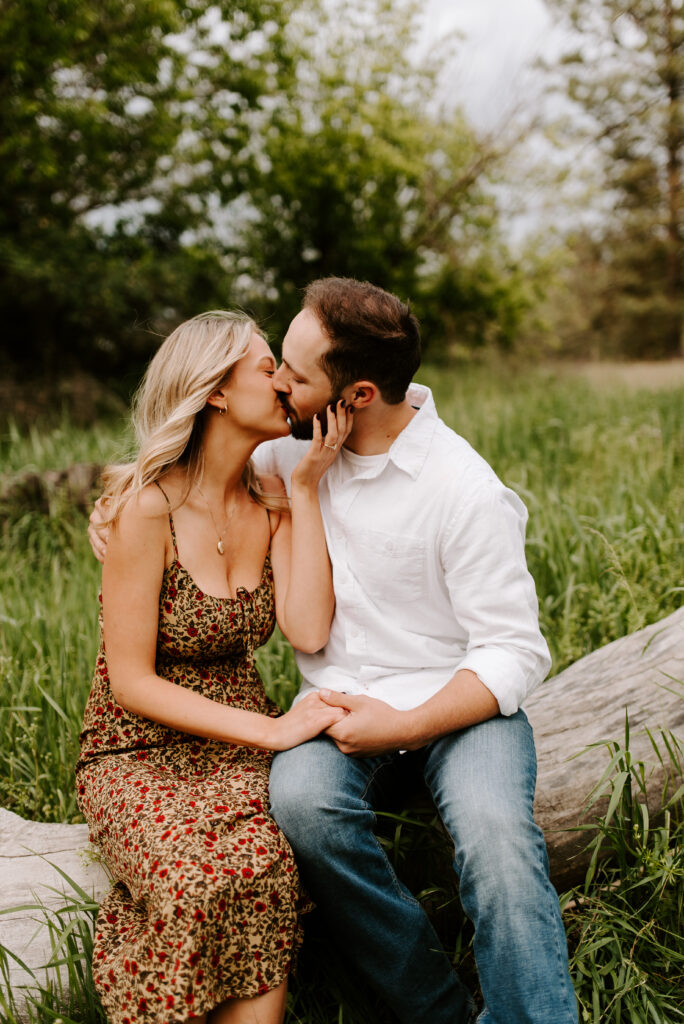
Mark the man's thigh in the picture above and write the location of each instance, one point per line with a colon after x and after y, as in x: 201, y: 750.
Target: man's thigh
x: 313, y: 782
x: 482, y: 780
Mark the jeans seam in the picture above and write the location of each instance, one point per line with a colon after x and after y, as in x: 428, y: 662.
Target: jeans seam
x: 396, y: 884
x: 561, y: 960
x: 371, y: 777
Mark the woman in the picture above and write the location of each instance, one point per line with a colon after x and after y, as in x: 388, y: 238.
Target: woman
x: 175, y: 750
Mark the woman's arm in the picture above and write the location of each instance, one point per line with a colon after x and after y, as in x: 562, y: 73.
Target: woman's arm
x: 303, y: 577
x: 131, y: 581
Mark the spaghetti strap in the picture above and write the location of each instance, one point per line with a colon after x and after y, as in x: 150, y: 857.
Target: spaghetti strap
x: 270, y: 525
x: 173, y: 529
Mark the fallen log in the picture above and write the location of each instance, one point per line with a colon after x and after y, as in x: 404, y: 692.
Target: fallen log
x: 32, y: 856
x: 77, y: 485
x: 641, y: 674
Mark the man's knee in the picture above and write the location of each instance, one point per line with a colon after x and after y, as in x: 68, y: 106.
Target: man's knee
x: 301, y: 788
x: 316, y: 794
x: 287, y: 790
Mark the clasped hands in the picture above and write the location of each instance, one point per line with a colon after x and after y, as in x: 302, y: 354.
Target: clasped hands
x: 370, y: 726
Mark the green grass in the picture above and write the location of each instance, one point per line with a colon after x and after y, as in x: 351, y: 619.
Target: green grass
x: 69, y: 996
x: 625, y: 923
x: 602, y: 473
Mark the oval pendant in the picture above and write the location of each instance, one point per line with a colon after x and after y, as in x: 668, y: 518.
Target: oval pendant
x: 220, y: 547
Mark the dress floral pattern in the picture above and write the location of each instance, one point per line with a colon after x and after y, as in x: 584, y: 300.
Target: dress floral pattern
x: 206, y: 899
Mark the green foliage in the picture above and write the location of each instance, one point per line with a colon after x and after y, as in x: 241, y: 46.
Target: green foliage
x: 626, y: 76
x: 133, y: 117
x: 69, y: 995
x: 602, y: 474
x: 625, y: 924
x: 160, y: 158
x: 361, y: 176
x: 601, y: 471
x: 46, y: 657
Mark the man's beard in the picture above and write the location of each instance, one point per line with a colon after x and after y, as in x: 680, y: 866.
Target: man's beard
x: 302, y: 429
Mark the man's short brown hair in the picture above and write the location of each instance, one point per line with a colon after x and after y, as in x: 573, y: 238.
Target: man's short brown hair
x: 373, y: 335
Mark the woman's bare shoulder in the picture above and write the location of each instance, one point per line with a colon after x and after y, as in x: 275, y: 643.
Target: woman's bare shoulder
x: 146, y: 512
x: 272, y: 485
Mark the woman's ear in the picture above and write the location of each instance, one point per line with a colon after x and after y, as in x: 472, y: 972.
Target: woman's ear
x: 217, y: 400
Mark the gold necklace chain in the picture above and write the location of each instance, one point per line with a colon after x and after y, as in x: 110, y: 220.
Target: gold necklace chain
x: 219, y: 543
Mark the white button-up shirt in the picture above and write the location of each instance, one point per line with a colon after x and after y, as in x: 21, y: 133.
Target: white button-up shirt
x: 428, y: 555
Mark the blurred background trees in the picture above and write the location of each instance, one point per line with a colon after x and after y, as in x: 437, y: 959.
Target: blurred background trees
x: 162, y: 157
x: 122, y: 126
x: 623, y: 72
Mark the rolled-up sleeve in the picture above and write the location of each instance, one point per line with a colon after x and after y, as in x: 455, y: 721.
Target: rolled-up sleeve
x: 493, y: 595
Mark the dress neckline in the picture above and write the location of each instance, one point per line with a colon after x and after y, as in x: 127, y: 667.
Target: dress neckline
x: 177, y: 564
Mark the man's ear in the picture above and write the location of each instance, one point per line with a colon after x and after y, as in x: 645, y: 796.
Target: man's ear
x: 361, y: 393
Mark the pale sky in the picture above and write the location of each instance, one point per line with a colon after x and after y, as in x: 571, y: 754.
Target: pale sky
x: 493, y: 79
x: 488, y: 77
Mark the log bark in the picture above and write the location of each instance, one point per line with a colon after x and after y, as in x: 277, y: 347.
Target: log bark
x: 77, y: 485
x: 642, y: 675
x: 30, y: 854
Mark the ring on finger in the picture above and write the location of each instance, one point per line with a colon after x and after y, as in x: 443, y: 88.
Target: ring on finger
x: 332, y: 447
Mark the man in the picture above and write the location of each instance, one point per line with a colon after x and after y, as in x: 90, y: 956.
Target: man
x: 434, y: 645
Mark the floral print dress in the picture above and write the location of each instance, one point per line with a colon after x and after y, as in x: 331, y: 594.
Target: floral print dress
x: 206, y: 899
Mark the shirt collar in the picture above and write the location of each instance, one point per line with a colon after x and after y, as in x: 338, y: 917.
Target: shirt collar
x: 410, y: 449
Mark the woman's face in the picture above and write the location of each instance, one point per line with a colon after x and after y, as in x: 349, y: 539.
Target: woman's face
x: 252, y: 402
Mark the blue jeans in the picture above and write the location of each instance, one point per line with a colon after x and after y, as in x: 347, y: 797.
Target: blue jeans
x: 482, y: 782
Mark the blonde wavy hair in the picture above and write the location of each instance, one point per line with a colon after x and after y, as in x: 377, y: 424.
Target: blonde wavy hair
x: 168, y: 408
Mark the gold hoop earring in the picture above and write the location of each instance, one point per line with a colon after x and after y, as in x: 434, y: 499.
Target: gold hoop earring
x: 223, y: 411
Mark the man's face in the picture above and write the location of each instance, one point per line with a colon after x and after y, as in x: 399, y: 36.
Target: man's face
x: 302, y: 385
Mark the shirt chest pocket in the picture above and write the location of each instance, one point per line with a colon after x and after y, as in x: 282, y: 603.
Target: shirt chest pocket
x: 388, y: 566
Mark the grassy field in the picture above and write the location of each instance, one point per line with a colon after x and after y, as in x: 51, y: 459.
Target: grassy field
x: 600, y: 464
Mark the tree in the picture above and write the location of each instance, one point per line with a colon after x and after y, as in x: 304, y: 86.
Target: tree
x: 162, y: 157
x: 362, y: 175
x: 120, y: 125
x: 627, y: 76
